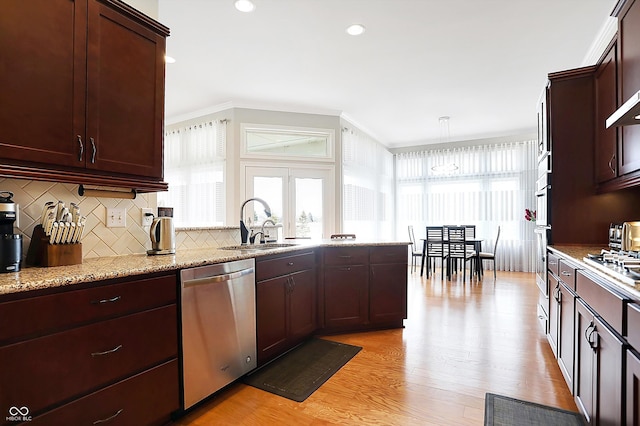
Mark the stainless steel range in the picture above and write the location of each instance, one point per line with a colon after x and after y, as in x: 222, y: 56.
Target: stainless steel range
x: 623, y: 265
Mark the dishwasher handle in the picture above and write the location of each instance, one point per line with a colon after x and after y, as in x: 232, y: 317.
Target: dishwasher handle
x: 218, y: 278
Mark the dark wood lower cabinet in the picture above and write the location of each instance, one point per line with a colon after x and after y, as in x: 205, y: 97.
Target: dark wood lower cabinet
x: 364, y: 287
x: 633, y: 388
x: 566, y: 333
x: 286, y: 301
x: 144, y: 399
x: 346, y: 295
x: 388, y: 293
x: 599, y: 367
x: 105, y: 352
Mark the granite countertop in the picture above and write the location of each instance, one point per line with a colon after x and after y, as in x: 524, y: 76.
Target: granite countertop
x: 94, y: 269
x: 577, y: 253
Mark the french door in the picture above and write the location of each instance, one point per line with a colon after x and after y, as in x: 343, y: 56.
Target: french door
x: 300, y: 199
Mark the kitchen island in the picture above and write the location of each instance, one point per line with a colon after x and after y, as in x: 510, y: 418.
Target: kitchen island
x: 100, y: 340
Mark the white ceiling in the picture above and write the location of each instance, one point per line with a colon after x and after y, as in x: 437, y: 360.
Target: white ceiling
x: 481, y: 62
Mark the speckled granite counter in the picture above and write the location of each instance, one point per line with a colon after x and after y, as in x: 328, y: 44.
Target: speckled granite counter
x: 578, y: 252
x: 137, y: 264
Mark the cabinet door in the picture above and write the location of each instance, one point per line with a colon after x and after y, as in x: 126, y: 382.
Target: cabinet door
x: 271, y: 317
x: 388, y: 293
x: 144, y: 399
x: 125, y: 72
x: 606, y: 165
x: 554, y: 310
x: 566, y: 333
x: 585, y: 361
x: 633, y: 388
x: 47, y: 102
x: 608, y: 376
x: 60, y: 366
x: 629, y: 31
x: 302, y: 304
x: 346, y: 295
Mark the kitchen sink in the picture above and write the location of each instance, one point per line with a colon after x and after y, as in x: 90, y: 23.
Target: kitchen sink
x: 253, y: 247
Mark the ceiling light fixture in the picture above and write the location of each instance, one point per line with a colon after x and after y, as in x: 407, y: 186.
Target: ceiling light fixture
x: 169, y: 59
x: 244, y: 5
x: 355, y: 29
x: 444, y: 137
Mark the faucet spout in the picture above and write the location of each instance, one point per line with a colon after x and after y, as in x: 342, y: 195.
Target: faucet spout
x: 262, y: 240
x: 244, y: 231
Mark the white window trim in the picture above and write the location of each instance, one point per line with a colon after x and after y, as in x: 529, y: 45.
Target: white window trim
x: 247, y: 127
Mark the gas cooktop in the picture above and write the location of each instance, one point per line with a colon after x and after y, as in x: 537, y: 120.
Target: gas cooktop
x: 624, y: 266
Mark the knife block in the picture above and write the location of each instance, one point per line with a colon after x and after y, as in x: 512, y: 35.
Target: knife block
x: 41, y: 253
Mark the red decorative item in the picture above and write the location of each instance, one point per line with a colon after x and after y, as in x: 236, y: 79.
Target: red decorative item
x: 529, y: 215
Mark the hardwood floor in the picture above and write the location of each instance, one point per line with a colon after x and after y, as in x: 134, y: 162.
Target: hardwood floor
x: 460, y: 341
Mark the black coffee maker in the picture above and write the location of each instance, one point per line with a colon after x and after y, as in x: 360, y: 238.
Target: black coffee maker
x: 10, y: 243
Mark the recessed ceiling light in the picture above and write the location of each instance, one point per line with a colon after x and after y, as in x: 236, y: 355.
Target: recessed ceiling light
x: 169, y: 59
x: 355, y: 29
x: 245, y: 5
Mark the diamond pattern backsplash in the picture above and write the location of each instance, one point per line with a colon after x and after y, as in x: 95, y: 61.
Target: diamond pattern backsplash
x: 98, y: 240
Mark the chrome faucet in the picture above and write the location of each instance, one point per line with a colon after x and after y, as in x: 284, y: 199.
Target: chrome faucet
x: 262, y: 240
x: 244, y: 232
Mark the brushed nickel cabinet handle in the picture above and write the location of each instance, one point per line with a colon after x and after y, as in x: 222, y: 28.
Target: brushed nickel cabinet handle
x: 94, y: 149
x: 613, y: 157
x: 113, y: 299
x: 81, y: 148
x: 290, y: 263
x: 566, y: 274
x: 108, y: 419
x: 110, y: 351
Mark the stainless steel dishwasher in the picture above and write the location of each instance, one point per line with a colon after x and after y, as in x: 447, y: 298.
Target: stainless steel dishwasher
x: 218, y: 326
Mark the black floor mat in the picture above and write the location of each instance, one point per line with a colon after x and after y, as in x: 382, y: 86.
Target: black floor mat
x: 502, y: 410
x: 298, y: 373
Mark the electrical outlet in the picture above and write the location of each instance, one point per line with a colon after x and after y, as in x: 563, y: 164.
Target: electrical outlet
x: 116, y: 218
x: 144, y: 219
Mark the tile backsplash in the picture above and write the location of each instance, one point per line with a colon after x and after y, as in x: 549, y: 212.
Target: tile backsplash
x: 98, y: 240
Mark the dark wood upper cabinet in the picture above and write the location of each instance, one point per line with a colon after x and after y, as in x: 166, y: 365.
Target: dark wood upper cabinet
x: 606, y: 87
x: 85, y: 103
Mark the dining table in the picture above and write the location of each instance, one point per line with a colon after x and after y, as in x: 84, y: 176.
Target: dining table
x: 477, y: 247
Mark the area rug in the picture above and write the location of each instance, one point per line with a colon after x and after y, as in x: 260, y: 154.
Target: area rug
x: 502, y: 410
x: 300, y: 372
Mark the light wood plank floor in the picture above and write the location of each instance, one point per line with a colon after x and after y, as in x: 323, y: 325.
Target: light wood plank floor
x: 460, y: 341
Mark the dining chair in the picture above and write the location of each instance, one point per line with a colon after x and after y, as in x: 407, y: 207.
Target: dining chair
x: 434, y: 249
x: 470, y: 234
x: 415, y: 252
x: 490, y: 256
x: 456, y: 249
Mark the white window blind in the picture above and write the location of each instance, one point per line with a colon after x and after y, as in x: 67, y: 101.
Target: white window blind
x: 487, y: 186
x: 194, y: 166
x: 367, y: 169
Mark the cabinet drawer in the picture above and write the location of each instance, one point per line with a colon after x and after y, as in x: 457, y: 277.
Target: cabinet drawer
x: 389, y: 254
x: 607, y: 304
x: 567, y: 274
x: 346, y: 255
x: 553, y: 263
x: 64, y: 365
x: 278, y: 266
x: 78, y: 307
x: 144, y: 399
x: 633, y: 327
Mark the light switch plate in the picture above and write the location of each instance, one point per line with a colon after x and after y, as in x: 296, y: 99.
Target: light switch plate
x: 144, y: 219
x: 116, y: 218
